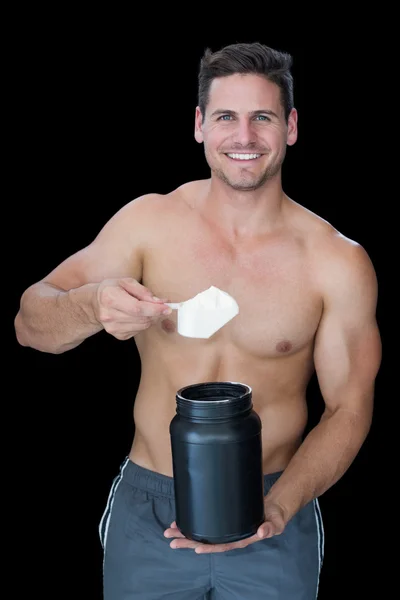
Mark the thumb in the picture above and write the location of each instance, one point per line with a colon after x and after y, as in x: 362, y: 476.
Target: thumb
x: 265, y: 530
x: 274, y: 524
x: 139, y: 291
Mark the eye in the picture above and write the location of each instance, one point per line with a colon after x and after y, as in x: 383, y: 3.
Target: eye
x: 263, y: 117
x: 224, y: 117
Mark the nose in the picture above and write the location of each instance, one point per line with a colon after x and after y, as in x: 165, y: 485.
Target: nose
x: 244, y: 133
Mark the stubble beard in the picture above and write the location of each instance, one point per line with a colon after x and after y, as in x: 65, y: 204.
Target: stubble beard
x: 248, y: 182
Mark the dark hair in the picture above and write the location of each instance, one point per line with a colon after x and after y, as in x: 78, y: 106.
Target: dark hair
x: 243, y: 58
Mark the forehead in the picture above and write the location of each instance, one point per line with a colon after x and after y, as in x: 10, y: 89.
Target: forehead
x: 244, y: 93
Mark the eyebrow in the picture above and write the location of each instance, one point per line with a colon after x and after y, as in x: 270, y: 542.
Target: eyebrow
x: 252, y: 113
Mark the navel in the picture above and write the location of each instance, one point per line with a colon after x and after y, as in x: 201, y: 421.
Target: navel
x: 284, y: 346
x: 168, y: 326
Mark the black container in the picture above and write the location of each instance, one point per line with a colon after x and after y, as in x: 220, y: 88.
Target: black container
x: 217, y: 462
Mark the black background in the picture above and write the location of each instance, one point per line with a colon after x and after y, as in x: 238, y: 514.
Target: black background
x: 101, y: 110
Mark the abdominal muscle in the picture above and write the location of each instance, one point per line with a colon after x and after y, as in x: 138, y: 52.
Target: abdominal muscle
x: 278, y: 394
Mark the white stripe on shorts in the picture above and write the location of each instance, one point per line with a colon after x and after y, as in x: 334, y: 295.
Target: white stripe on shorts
x: 320, y: 538
x: 110, y: 501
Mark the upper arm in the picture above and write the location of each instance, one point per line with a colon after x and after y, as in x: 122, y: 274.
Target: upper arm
x: 347, y: 351
x: 117, y: 250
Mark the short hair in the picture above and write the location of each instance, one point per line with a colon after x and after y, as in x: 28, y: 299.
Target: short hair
x: 247, y: 58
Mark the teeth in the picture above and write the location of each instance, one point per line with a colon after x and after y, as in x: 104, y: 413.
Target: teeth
x: 244, y: 156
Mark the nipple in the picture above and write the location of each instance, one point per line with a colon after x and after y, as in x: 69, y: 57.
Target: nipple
x: 168, y: 326
x: 284, y: 346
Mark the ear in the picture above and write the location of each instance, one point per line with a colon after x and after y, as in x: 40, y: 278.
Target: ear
x: 292, y: 127
x: 198, y: 133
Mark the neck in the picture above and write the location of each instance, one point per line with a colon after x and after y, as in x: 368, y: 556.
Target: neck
x: 244, y: 214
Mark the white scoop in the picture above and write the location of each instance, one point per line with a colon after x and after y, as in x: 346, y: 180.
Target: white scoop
x: 205, y: 313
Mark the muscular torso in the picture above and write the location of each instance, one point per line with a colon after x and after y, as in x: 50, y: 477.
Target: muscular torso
x: 268, y: 345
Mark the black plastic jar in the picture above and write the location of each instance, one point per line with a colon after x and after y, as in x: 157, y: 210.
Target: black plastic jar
x: 217, y: 462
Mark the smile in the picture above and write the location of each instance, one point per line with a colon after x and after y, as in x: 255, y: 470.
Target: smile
x: 243, y: 156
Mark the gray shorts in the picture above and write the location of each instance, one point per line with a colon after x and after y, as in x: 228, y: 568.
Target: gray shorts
x: 139, y: 563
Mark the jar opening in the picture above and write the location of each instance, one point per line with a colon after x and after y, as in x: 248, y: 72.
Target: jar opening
x: 215, y: 391
x: 214, y: 399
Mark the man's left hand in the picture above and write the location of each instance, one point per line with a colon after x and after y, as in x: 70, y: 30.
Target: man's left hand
x: 274, y: 524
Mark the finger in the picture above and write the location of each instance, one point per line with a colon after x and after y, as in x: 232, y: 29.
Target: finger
x: 153, y: 310
x: 173, y: 532
x: 179, y: 544
x: 122, y: 317
x: 139, y: 291
x: 125, y: 303
x: 207, y: 548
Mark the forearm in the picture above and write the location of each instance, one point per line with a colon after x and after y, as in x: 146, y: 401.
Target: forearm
x: 54, y: 320
x: 321, y: 460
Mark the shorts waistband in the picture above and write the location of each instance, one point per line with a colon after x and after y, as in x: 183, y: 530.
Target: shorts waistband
x: 163, y: 485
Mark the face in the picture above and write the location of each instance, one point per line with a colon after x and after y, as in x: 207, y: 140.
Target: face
x: 244, y: 130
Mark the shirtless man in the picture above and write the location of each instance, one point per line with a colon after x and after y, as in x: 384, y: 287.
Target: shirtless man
x: 307, y: 297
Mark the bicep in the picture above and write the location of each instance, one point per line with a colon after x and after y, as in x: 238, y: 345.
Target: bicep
x: 347, y: 349
x: 117, y: 251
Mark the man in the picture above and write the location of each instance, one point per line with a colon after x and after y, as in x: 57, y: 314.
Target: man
x: 307, y: 297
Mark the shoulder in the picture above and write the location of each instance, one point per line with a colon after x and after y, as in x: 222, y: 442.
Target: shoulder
x: 340, y: 264
x: 346, y: 273
x: 151, y: 204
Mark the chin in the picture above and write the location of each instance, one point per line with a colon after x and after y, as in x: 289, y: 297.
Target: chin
x: 242, y: 185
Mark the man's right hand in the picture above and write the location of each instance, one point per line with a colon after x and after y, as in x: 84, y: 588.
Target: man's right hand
x: 125, y: 307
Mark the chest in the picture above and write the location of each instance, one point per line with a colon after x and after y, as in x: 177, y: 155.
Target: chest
x: 272, y: 282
